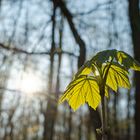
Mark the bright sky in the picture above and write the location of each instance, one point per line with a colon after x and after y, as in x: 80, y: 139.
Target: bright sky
x: 26, y: 82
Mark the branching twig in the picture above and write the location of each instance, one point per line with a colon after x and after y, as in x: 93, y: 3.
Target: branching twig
x: 21, y: 51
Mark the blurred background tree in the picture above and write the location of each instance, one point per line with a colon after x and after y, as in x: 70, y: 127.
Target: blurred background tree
x: 42, y: 44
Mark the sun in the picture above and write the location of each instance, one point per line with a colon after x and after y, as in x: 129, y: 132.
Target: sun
x: 30, y: 83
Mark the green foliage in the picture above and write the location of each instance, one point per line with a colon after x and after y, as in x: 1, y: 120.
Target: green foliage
x: 107, y: 69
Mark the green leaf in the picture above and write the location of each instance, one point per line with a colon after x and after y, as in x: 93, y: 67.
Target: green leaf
x: 127, y: 61
x: 121, y: 57
x: 107, y: 69
x: 117, y: 76
x: 86, y: 69
x: 104, y: 56
x: 81, y: 90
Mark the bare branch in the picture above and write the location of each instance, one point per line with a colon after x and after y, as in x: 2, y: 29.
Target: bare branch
x: 18, y: 50
x: 92, y: 10
x: 82, y: 46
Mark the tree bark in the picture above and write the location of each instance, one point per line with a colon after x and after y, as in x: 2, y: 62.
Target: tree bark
x: 96, y: 121
x: 115, y: 119
x: 68, y: 15
x: 51, y: 110
x: 103, y: 111
x: 134, y: 15
x: 128, y: 115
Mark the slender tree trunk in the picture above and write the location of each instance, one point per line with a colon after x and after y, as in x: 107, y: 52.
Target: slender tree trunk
x: 95, y: 121
x: 88, y: 133
x: 11, y: 125
x: 0, y: 5
x: 80, y: 127
x: 103, y: 112
x: 104, y: 123
x: 61, y: 4
x: 128, y: 115
x: 81, y: 59
x: 115, y: 122
x: 64, y: 125
x: 134, y: 15
x: 69, y: 125
x: 50, y: 113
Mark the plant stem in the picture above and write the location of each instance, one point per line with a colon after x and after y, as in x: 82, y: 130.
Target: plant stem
x: 104, y: 127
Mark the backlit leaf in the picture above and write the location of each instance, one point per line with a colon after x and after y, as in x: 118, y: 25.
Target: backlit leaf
x: 81, y: 90
x: 107, y: 69
x: 104, y: 56
x: 123, y: 58
x: 127, y: 61
x: 117, y: 77
x: 86, y: 69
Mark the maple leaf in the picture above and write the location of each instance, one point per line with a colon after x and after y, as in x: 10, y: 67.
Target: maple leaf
x: 107, y: 69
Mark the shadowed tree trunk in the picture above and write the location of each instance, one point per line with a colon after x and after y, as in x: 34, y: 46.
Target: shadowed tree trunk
x: 95, y: 121
x: 50, y: 113
x: 134, y: 15
x: 82, y: 56
x: 80, y: 126
x: 128, y: 115
x: 67, y: 14
x: 115, y: 119
x: 68, y: 137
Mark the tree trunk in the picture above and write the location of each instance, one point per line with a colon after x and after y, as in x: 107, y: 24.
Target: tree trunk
x: 134, y: 16
x: 69, y: 125
x: 115, y: 121
x: 61, y: 4
x: 50, y: 113
x: 128, y: 115
x: 104, y: 123
x: 81, y: 58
